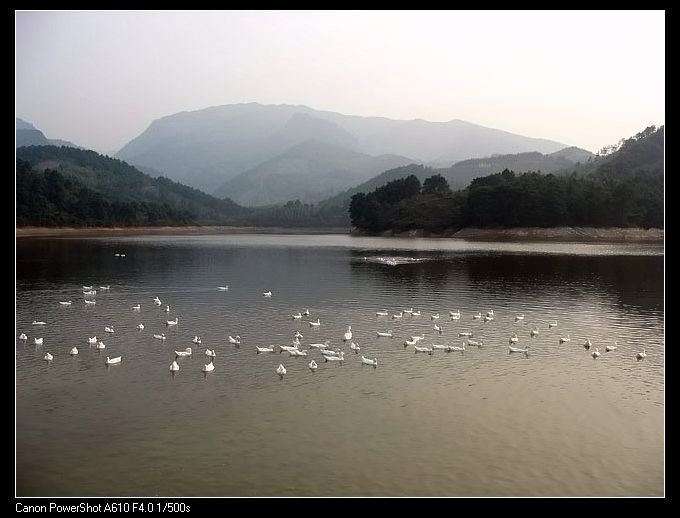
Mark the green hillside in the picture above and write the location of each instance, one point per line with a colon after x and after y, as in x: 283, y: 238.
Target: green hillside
x: 68, y: 186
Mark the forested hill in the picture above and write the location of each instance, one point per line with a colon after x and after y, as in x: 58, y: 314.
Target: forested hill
x: 641, y: 154
x: 66, y: 186
x: 624, y: 189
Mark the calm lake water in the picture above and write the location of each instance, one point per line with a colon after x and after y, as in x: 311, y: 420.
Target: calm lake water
x: 479, y: 423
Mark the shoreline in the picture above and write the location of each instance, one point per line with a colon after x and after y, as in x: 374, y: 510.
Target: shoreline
x: 190, y: 230
x: 568, y: 234
x: 564, y: 234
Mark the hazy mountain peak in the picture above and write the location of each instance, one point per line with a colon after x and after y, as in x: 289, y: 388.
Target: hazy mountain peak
x: 23, y: 125
x: 29, y: 135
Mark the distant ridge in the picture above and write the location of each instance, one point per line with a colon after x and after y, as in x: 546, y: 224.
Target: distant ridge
x: 29, y: 135
x: 207, y: 148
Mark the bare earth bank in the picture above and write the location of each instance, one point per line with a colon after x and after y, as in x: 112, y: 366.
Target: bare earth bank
x: 540, y: 234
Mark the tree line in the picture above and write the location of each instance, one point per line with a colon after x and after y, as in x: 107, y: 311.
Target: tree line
x: 507, y: 199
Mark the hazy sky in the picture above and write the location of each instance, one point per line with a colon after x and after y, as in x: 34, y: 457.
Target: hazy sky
x: 582, y: 78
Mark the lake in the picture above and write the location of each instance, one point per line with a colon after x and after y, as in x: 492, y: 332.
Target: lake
x: 483, y: 422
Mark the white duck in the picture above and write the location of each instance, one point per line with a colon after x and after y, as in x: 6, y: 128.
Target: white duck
x: 297, y: 352
x: 137, y: 307
x: 348, y: 335
x: 435, y: 316
x: 140, y: 326
x: 297, y: 316
x: 612, y: 347
x: 320, y: 346
x: 160, y: 336
x: 92, y: 340
x: 456, y: 348
x: 339, y: 358
x: 105, y: 288
x: 88, y: 288
x: 587, y: 344
x: 564, y: 339
x: 68, y: 303
x: 38, y: 323
x: 174, y: 366
x: 23, y: 336
x: 281, y: 370
x: 298, y: 334
x: 101, y: 345
x: 223, y: 288
x: 642, y: 355
x: 49, y: 357
x: 519, y: 317
x: 478, y: 316
x: 185, y: 352
x: 73, y: 351
x: 408, y: 311
x: 315, y: 324
x: 172, y: 322
x: 306, y: 312
x: 514, y: 339
x: 111, y: 361
x: 552, y: 324
x: 197, y: 340
x: 167, y: 308
x: 475, y: 342
x: 328, y: 352
x: 518, y: 350
x: 438, y: 329
x: 236, y: 340
x: 466, y: 334
x: 38, y: 341
x: 388, y: 334
x: 109, y: 329
x: 397, y: 316
x: 534, y: 331
x: 264, y: 349
x: 366, y: 361
x: 355, y: 347
x: 410, y: 342
x: 313, y: 365
x: 415, y: 313
x: 157, y: 301
x: 91, y: 302
x: 267, y: 294
x: 208, y: 367
x: 595, y: 353
x: 427, y: 350
x: 210, y: 353
x: 382, y: 313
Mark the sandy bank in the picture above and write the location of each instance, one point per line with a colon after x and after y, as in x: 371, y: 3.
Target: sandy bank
x: 162, y: 231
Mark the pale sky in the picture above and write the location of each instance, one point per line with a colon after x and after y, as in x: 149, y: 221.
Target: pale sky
x: 584, y: 78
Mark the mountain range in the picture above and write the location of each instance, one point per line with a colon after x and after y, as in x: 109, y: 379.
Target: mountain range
x: 260, y: 154
x: 68, y: 186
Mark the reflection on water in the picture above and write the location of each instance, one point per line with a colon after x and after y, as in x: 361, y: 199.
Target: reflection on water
x: 483, y: 422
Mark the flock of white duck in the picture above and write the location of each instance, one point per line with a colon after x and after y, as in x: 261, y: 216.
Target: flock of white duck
x: 327, y: 354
